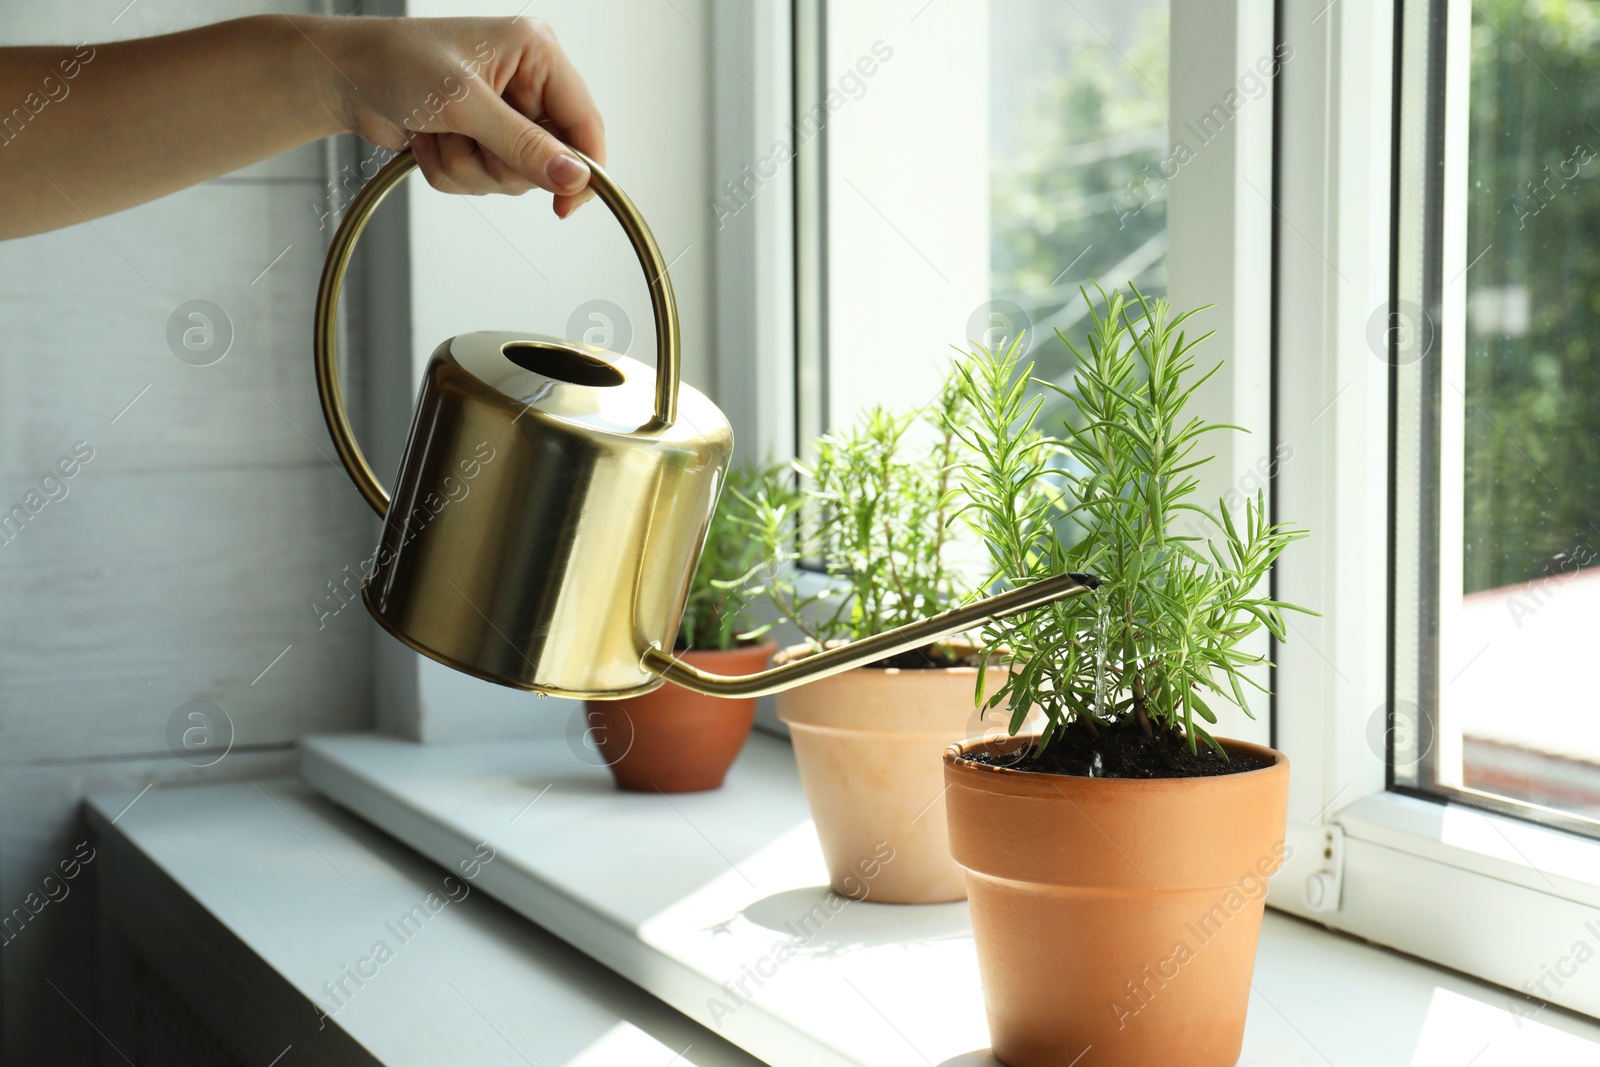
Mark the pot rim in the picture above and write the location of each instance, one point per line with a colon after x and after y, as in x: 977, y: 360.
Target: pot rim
x: 955, y: 758
x: 791, y: 653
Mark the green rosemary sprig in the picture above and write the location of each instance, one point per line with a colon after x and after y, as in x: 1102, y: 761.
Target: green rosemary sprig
x: 1167, y: 628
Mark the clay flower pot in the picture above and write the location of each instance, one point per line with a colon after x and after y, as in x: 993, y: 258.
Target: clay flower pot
x: 1116, y: 913
x: 868, y: 743
x: 675, y: 741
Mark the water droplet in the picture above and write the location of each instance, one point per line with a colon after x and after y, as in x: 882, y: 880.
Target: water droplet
x: 1096, y: 770
x: 541, y: 696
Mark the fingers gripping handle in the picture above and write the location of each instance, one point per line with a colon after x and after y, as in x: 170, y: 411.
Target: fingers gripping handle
x: 663, y: 305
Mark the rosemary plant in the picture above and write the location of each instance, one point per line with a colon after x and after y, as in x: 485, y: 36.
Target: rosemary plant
x: 873, y: 511
x: 1164, y: 634
x: 713, y: 616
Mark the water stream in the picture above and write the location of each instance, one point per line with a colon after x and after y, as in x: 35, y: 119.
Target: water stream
x: 1102, y: 623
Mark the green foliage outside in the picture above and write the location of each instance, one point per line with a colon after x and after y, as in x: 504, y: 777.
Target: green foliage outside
x: 1075, y: 186
x: 1533, y: 214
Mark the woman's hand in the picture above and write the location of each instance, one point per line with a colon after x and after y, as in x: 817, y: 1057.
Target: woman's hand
x: 489, y: 105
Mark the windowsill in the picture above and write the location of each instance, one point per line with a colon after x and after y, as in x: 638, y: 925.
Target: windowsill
x: 1461, y: 835
x: 683, y: 894
x: 289, y: 929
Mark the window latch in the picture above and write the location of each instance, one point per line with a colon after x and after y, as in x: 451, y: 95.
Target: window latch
x: 1324, y: 886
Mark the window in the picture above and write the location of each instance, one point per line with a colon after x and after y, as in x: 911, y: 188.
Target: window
x: 963, y: 169
x: 1430, y: 341
x: 1498, y: 422
x: 973, y: 164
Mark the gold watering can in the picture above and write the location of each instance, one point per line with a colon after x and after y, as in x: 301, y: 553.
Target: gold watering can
x: 553, y: 500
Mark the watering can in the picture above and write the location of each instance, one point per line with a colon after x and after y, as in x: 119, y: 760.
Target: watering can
x: 553, y: 500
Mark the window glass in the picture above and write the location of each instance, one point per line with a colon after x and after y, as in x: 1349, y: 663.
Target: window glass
x: 1506, y: 710
x: 1078, y: 160
x: 999, y: 155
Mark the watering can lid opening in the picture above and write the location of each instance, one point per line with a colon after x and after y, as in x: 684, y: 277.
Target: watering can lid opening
x: 522, y: 366
x: 567, y: 362
x: 579, y: 384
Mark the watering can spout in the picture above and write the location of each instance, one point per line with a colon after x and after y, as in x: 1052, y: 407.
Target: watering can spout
x: 871, y: 649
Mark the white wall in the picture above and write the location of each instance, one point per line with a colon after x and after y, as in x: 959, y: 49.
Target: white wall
x: 186, y: 554
x: 499, y: 263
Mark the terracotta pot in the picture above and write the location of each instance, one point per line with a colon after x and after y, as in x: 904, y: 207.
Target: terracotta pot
x: 675, y: 741
x: 1116, y: 913
x: 868, y: 743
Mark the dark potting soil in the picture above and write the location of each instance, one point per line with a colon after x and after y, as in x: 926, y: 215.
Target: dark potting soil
x: 1124, y: 752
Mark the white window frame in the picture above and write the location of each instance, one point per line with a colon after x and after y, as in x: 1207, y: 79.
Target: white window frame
x: 753, y: 94
x: 1494, y: 896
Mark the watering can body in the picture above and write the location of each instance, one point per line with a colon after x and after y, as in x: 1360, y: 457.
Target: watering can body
x: 553, y: 500
x: 570, y: 547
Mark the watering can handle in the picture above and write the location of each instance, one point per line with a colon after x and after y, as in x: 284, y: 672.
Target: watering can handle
x: 662, y: 304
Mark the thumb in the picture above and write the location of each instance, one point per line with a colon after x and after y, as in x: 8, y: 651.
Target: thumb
x: 526, y: 147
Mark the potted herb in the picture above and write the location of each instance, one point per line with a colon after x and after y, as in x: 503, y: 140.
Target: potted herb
x: 871, y: 520
x: 670, y: 739
x: 1117, y: 858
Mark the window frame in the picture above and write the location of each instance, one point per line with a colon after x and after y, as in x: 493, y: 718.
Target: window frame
x: 753, y: 91
x: 1519, y: 894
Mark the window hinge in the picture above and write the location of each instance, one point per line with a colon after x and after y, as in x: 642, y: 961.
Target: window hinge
x: 1323, y: 887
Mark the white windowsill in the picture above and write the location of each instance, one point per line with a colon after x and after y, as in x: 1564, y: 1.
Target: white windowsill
x: 263, y: 906
x: 1457, y: 834
x: 683, y: 894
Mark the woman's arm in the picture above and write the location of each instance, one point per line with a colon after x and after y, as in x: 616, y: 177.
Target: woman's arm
x: 92, y: 129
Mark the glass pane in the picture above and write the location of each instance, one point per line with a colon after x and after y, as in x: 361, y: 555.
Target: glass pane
x: 1532, y: 419
x: 997, y: 156
x: 1503, y: 440
x: 1078, y: 150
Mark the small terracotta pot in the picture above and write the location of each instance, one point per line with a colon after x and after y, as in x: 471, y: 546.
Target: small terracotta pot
x: 673, y: 740
x: 868, y: 743
x: 1116, y: 913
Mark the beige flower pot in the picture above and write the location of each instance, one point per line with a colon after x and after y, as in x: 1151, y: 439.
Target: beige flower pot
x: 870, y: 745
